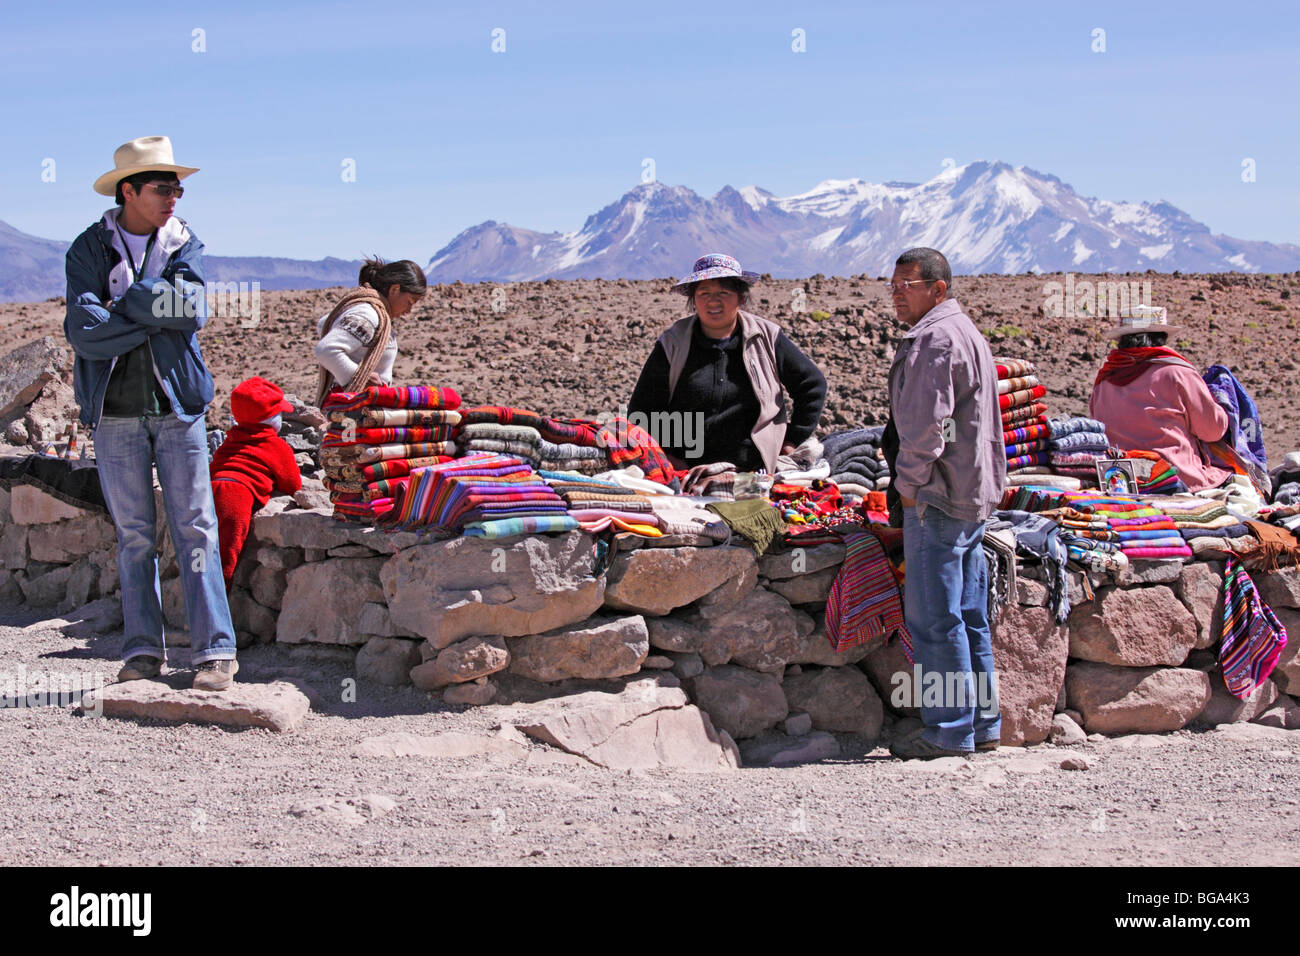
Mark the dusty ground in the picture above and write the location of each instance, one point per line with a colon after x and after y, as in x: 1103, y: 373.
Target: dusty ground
x: 89, y: 791
x: 575, y: 348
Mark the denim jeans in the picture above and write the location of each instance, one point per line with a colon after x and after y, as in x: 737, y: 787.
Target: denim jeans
x: 946, y: 607
x: 125, y: 452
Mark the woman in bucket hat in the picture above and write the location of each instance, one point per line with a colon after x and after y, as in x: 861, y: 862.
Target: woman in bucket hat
x: 712, y: 387
x: 1151, y: 398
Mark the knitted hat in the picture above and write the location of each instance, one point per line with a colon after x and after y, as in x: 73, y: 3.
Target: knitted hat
x: 255, y: 399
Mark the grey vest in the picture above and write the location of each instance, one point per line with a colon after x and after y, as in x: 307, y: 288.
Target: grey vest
x: 758, y: 351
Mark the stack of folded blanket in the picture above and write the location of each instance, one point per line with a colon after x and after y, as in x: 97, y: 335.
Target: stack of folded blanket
x: 1144, y: 532
x: 377, y: 437
x: 1090, y: 540
x: 502, y: 430
x: 596, y: 505
x: 1074, y: 445
x: 579, y: 445
x: 857, y: 465
x: 1207, y: 527
x: 481, y: 494
x: 1024, y: 416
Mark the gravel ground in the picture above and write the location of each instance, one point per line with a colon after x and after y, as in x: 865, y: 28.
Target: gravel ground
x: 90, y: 791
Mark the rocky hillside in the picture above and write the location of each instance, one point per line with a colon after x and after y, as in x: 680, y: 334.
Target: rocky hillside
x: 576, y: 347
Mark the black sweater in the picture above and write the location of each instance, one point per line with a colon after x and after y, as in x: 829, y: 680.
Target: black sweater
x: 715, y: 383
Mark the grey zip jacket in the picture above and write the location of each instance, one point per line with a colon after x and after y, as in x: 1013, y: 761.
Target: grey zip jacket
x: 943, y: 394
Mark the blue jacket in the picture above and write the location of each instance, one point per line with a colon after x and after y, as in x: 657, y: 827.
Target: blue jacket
x: 166, y: 312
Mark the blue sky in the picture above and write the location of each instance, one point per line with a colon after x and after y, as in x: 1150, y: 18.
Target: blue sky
x: 446, y: 133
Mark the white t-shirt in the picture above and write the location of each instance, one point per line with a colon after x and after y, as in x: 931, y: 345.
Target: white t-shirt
x: 135, y: 245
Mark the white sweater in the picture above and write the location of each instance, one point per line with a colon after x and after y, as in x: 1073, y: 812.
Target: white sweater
x: 341, y: 351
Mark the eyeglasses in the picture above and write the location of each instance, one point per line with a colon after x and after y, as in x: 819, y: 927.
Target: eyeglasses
x: 905, y: 284
x: 715, y: 296
x: 167, y: 190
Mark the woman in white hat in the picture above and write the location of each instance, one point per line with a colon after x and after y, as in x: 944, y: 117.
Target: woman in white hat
x: 724, y: 368
x: 1151, y: 398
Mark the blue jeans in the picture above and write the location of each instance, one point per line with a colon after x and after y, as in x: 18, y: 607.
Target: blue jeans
x: 946, y: 607
x: 125, y: 452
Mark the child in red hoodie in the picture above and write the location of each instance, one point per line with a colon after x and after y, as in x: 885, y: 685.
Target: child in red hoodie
x: 249, y: 465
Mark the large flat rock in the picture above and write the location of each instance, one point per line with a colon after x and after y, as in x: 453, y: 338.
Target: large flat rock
x: 277, y: 706
x: 598, y: 648
x: 473, y: 586
x: 1141, y: 700
x: 1133, y: 627
x: 654, y: 581
x: 839, y: 699
x: 644, y: 726
x: 323, y: 599
x: 26, y: 369
x: 320, y: 530
x: 1029, y: 654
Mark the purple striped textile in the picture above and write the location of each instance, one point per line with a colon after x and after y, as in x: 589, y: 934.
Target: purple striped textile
x: 865, y: 602
x: 1253, y: 637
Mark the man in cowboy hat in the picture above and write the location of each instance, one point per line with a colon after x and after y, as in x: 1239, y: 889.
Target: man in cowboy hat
x: 135, y: 301
x: 944, y: 446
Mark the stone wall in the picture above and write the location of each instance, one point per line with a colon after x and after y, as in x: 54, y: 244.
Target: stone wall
x: 477, y: 621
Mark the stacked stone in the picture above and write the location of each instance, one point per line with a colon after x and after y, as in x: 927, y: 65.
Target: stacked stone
x: 679, y: 618
x: 58, y: 556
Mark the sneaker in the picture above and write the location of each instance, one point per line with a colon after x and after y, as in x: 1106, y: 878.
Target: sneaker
x: 214, y: 675
x: 918, y: 748
x: 140, y: 667
x: 984, y: 745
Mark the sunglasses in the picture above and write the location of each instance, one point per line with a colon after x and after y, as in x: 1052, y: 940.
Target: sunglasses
x: 166, y: 190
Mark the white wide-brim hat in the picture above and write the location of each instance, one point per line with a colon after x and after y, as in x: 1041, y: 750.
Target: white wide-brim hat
x: 146, y: 154
x: 1144, y: 318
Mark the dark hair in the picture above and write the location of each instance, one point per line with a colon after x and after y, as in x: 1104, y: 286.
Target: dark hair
x: 404, y: 274
x: 731, y: 283
x: 932, y: 262
x: 1142, y: 340
x: 140, y: 179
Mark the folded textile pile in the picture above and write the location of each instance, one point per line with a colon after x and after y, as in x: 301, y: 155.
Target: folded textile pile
x: 596, y: 505
x: 502, y: 430
x: 857, y: 464
x: 580, y: 445
x: 1024, y: 416
x: 1090, y: 540
x: 1038, y: 536
x: 1074, y: 445
x: 806, y: 464
x: 377, y: 437
x: 1285, y: 479
x: 680, y: 515
x: 483, y: 494
x: 1143, y: 530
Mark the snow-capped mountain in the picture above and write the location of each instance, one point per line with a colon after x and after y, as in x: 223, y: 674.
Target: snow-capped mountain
x: 985, y: 217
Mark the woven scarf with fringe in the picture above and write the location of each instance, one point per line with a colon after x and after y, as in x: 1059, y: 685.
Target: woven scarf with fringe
x: 360, y: 296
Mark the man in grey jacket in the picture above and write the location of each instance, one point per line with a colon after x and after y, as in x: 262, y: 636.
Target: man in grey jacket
x: 949, y: 472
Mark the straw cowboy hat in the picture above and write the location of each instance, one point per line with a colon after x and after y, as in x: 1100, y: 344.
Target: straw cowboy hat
x: 716, y: 266
x: 146, y: 154
x: 1144, y: 318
